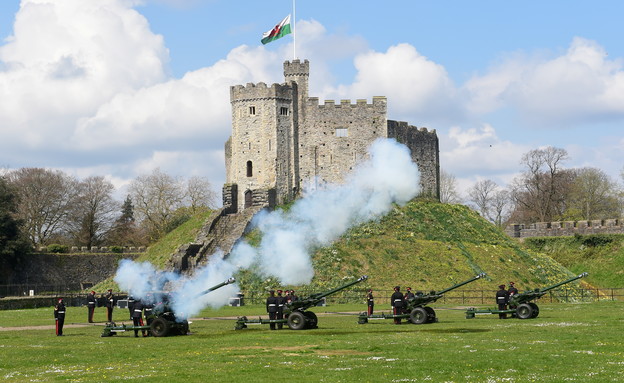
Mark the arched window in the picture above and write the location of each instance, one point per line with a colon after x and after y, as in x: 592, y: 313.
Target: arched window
x: 249, y: 169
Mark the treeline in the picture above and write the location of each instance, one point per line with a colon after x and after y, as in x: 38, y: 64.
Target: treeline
x: 545, y: 191
x: 44, y: 207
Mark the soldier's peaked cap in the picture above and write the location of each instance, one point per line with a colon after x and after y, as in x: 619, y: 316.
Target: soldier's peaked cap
x: 501, y: 286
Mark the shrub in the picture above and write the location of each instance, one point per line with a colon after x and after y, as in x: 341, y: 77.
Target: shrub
x: 57, y: 248
x: 116, y: 249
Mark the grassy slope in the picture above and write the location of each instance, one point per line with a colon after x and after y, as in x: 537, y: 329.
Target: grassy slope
x: 159, y: 253
x: 427, y: 245
x: 431, y: 246
x: 602, y: 256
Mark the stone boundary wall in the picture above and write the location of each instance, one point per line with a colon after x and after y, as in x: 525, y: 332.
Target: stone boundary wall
x: 566, y: 228
x: 98, y: 250
x: 72, y: 270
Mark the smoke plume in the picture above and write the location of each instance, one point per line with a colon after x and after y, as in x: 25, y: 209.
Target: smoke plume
x: 289, y: 238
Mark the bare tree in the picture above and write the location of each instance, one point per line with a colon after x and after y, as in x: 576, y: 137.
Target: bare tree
x: 540, y: 191
x: 593, y: 195
x: 200, y: 194
x: 492, y: 202
x: 93, y: 213
x: 500, y: 207
x: 45, y: 200
x: 448, y: 188
x: 157, y: 197
x: 481, y: 195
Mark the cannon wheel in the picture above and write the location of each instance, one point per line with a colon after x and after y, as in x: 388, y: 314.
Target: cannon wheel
x: 431, y: 314
x: 311, y: 319
x: 535, y: 309
x: 524, y: 311
x: 418, y: 316
x: 181, y: 328
x: 296, y: 321
x: 160, y: 327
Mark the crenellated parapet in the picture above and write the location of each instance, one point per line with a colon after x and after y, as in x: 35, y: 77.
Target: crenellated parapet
x: 565, y: 228
x: 296, y: 68
x: 260, y: 91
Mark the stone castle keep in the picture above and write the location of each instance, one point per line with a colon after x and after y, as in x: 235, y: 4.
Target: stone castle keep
x: 283, y: 140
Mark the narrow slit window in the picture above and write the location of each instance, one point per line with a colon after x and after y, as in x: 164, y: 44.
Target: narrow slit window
x: 252, y: 110
x: 249, y: 169
x: 284, y: 111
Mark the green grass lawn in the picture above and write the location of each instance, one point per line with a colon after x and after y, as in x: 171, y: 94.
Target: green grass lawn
x: 566, y: 343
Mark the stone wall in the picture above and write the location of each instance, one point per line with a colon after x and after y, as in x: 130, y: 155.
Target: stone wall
x: 423, y: 145
x: 564, y: 228
x: 71, y: 270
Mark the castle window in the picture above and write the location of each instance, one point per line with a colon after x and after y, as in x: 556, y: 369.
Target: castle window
x: 249, y: 169
x: 252, y: 110
x: 269, y: 145
x: 283, y: 111
x: 342, y: 132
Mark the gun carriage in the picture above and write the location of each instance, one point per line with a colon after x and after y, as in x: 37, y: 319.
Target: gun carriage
x: 296, y: 314
x: 416, y: 309
x: 522, y: 304
x: 163, y: 321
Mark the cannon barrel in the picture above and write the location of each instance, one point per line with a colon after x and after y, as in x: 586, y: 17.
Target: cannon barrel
x: 543, y: 290
x: 305, y: 303
x: 481, y: 275
x: 213, y: 288
x: 528, y: 296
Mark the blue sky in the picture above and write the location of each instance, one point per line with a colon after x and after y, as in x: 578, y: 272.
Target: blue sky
x: 120, y: 87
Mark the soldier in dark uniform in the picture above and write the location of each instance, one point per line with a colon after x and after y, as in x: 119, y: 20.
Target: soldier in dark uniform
x: 110, y: 304
x: 397, y: 300
x: 137, y: 316
x: 510, y: 293
x: 131, y: 306
x: 409, y: 294
x: 59, y: 316
x: 501, y: 299
x: 370, y: 300
x: 148, y: 308
x: 280, y: 308
x: 287, y: 296
x: 91, y: 305
x: 293, y: 296
x: 271, y: 307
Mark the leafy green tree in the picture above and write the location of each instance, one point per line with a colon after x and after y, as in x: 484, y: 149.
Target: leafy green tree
x: 12, y: 243
x: 125, y: 231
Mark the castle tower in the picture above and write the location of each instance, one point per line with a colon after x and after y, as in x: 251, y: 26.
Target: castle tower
x: 282, y: 138
x: 258, y: 154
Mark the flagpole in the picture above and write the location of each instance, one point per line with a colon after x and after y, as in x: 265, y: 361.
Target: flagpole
x: 294, y: 32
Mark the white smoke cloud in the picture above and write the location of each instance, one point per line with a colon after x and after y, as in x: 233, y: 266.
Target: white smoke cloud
x: 289, y: 238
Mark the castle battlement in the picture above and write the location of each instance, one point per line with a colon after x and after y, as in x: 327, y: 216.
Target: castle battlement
x: 405, y: 126
x: 296, y: 68
x: 260, y: 91
x: 566, y: 228
x: 359, y: 103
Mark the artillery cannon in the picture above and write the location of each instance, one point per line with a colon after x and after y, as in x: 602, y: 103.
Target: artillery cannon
x: 162, y: 321
x: 523, y: 307
x: 296, y: 315
x: 416, y: 309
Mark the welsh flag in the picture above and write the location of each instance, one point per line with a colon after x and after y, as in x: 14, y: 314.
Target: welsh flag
x: 280, y: 30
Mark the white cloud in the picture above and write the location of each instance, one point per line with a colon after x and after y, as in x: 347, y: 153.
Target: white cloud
x: 417, y: 88
x: 64, y: 59
x: 579, y: 86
